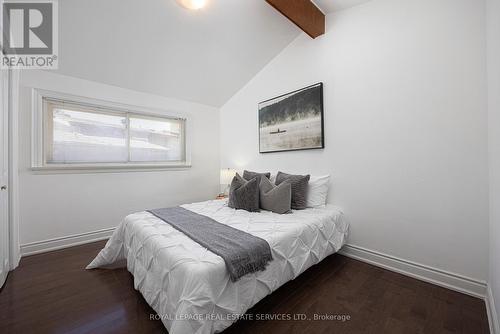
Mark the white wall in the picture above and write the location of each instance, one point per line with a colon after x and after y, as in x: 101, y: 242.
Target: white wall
x: 405, y: 126
x: 55, y: 205
x: 493, y: 41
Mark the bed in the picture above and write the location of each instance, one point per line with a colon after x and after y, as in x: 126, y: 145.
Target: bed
x: 189, y: 287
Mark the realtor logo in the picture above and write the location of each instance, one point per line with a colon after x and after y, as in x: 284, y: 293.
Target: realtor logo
x: 29, y: 36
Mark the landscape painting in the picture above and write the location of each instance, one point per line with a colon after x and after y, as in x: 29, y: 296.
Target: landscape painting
x: 292, y: 121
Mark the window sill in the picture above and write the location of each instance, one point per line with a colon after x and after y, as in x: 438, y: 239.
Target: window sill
x: 83, y: 169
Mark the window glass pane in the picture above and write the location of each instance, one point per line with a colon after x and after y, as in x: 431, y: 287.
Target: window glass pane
x: 156, y: 139
x: 80, y: 137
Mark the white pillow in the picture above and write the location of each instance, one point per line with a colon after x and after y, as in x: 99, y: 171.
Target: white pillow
x: 317, y: 190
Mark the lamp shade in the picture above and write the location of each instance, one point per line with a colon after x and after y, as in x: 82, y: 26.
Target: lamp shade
x: 226, y: 175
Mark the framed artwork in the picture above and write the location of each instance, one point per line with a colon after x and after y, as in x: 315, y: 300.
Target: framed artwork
x: 292, y: 121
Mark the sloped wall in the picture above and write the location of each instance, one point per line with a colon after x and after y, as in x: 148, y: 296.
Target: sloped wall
x: 405, y: 127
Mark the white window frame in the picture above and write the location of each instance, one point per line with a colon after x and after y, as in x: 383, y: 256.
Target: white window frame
x: 39, y: 136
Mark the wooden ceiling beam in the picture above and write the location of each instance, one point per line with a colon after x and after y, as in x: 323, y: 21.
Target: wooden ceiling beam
x: 303, y: 13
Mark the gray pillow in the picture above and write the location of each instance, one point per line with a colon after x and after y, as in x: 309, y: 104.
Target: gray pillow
x: 299, y: 188
x: 248, y: 175
x: 275, y: 198
x: 244, y: 194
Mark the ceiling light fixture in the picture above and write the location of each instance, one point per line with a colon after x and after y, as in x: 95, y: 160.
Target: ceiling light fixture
x: 192, y: 4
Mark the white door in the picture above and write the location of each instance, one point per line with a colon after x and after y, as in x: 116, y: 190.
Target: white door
x: 4, y: 175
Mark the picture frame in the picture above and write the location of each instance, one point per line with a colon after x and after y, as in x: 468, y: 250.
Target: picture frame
x: 292, y: 121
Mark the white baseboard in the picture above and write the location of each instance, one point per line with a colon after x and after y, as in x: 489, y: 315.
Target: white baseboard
x: 422, y: 272
x: 64, y: 242
x: 492, y: 312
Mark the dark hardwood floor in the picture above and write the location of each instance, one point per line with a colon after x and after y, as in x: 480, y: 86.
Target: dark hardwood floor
x: 52, y: 293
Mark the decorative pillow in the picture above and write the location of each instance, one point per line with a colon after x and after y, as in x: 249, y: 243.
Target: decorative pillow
x: 244, y: 194
x: 317, y: 190
x: 299, y: 188
x: 248, y: 175
x: 275, y: 198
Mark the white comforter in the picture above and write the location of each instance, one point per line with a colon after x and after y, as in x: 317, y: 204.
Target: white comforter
x: 189, y: 286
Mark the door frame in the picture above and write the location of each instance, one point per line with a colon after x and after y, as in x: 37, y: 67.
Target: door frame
x: 13, y: 96
x: 4, y: 153
x: 9, y: 90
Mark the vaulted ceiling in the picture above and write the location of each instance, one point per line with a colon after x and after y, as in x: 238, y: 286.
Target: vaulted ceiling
x: 158, y: 47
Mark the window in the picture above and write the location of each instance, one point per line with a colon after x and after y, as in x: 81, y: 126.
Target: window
x: 155, y: 139
x: 76, y: 136
x: 79, y: 134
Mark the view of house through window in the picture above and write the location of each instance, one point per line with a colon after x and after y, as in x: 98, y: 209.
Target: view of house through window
x: 80, y: 135
x: 155, y: 139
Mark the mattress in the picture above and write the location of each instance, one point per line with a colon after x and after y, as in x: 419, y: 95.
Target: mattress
x: 189, y: 286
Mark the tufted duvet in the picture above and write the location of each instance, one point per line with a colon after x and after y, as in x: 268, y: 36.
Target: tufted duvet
x: 189, y: 286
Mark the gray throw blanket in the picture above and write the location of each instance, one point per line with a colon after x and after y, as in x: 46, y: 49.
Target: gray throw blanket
x: 242, y: 252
